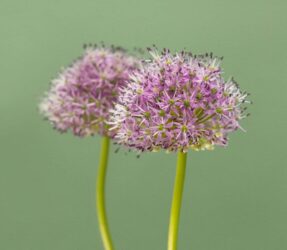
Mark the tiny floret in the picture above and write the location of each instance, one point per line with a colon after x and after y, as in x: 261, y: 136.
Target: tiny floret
x: 82, y: 95
x: 178, y: 102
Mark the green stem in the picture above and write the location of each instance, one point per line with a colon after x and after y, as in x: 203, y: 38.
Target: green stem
x: 100, y: 195
x: 176, y: 201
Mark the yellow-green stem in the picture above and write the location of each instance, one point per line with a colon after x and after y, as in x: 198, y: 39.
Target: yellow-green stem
x: 100, y: 195
x: 176, y: 201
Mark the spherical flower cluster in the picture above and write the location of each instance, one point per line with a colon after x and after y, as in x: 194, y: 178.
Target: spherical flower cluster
x: 177, y: 102
x: 82, y: 95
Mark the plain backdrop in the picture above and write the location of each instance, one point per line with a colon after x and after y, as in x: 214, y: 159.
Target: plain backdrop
x: 234, y: 198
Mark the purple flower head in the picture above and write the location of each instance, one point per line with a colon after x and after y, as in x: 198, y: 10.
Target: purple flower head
x: 177, y: 102
x: 82, y: 95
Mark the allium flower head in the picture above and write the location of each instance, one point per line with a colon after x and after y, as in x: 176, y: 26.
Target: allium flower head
x: 177, y: 102
x: 82, y: 95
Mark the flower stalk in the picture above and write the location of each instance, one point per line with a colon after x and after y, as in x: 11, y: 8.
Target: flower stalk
x: 100, y: 195
x: 176, y: 201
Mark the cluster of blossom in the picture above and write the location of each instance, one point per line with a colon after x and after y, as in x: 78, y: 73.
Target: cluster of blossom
x: 177, y: 102
x: 82, y: 95
x: 172, y: 101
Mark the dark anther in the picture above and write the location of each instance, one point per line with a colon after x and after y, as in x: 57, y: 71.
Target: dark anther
x: 117, y: 150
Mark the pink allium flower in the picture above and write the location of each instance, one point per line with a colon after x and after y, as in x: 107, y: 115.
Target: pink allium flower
x: 177, y: 102
x: 82, y: 95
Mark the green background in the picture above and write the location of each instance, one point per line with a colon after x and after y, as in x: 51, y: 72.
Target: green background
x: 234, y: 199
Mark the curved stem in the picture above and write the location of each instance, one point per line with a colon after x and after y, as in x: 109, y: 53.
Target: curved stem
x: 100, y: 195
x: 176, y: 201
